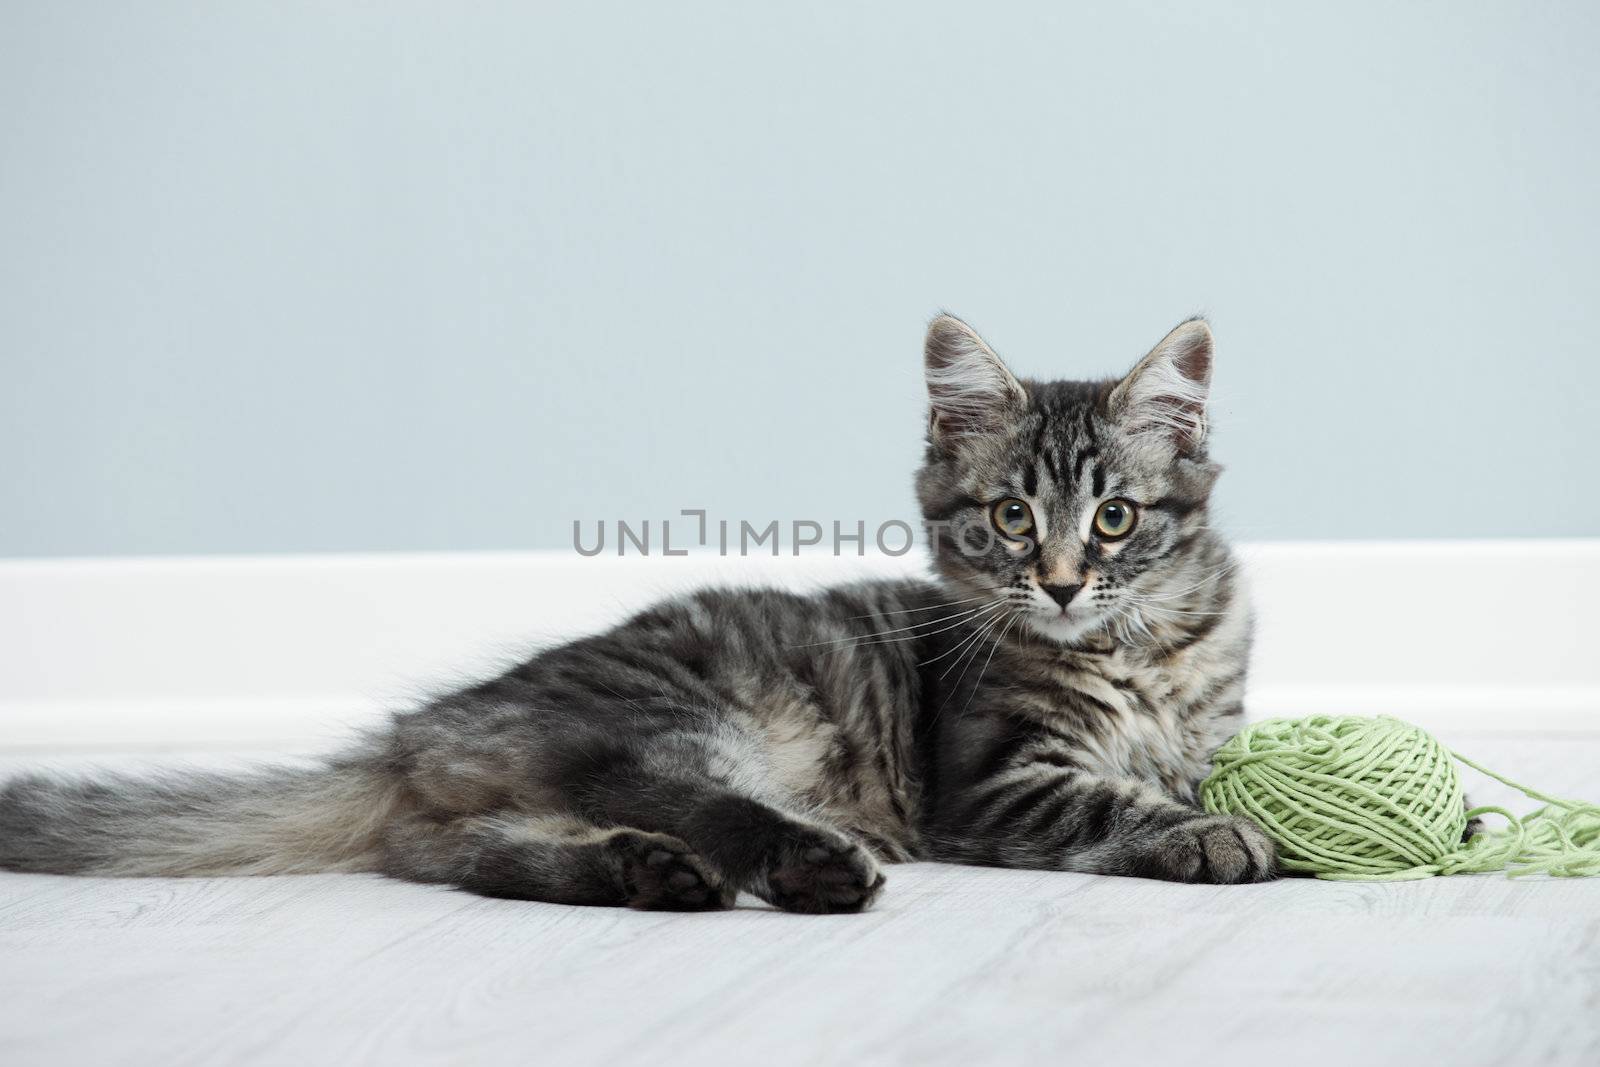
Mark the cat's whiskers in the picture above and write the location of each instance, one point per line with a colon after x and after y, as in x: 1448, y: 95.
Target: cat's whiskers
x: 873, y: 637
x: 1127, y: 625
x: 1153, y: 605
x: 1213, y: 576
x: 907, y: 611
x: 977, y: 615
x: 997, y: 643
x: 955, y: 686
x: 961, y: 646
x: 869, y: 640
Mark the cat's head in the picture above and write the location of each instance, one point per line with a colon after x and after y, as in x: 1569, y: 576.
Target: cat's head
x: 1079, y: 503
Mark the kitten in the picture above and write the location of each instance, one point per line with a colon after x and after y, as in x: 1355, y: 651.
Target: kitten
x: 1050, y: 701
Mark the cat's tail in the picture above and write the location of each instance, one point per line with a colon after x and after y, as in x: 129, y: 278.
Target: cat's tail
x: 275, y: 821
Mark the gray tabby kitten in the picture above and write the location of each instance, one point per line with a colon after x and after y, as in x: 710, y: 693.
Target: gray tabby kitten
x: 1050, y: 701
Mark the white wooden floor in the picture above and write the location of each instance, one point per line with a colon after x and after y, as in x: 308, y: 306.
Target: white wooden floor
x: 955, y: 965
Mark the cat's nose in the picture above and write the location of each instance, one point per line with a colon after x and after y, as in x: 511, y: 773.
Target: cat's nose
x: 1061, y: 594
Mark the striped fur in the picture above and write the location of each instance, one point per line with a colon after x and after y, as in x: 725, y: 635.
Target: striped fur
x: 787, y: 745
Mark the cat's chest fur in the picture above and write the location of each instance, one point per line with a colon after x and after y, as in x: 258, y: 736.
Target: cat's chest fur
x: 1155, y: 712
x: 1137, y: 725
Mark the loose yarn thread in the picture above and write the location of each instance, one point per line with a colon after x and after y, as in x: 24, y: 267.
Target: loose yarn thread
x: 1377, y: 799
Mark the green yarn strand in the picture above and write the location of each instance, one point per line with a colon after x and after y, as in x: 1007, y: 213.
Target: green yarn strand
x: 1359, y: 799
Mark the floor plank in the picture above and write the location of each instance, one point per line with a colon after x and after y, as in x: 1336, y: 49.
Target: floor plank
x: 955, y: 966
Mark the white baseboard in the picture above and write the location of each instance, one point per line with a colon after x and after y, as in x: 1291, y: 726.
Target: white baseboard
x: 293, y: 651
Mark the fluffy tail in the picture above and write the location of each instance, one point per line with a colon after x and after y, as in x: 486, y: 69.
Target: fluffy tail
x: 278, y: 821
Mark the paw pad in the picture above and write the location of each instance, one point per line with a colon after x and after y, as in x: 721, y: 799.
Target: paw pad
x: 828, y: 873
x: 660, y: 873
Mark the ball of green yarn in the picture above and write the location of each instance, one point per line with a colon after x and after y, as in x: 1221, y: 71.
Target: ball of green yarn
x: 1344, y: 796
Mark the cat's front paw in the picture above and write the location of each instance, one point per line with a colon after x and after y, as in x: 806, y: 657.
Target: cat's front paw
x: 1212, y: 849
x: 824, y: 872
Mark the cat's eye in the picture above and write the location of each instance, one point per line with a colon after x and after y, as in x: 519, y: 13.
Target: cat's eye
x: 1013, y: 517
x: 1114, y: 519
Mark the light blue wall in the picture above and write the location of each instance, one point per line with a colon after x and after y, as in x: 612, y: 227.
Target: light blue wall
x: 282, y: 277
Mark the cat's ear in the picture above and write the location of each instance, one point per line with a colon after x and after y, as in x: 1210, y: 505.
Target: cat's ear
x: 970, y: 391
x: 1163, y: 398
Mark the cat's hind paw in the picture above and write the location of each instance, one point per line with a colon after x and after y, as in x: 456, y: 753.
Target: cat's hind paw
x: 661, y: 873
x: 824, y: 872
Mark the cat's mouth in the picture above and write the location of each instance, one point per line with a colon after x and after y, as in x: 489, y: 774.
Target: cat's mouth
x: 1075, y: 611
x: 1066, y: 624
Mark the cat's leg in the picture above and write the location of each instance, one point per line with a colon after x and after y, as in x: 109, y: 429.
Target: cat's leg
x: 792, y: 861
x: 554, y: 859
x: 1041, y: 814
